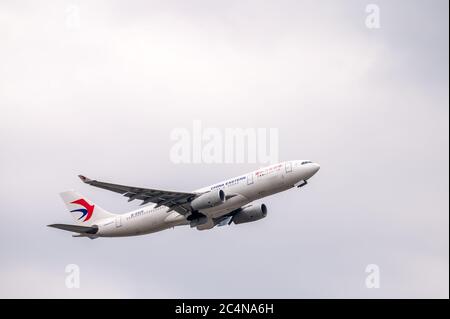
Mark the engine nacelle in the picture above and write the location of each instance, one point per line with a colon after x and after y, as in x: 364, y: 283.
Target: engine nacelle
x: 208, y: 200
x: 250, y: 214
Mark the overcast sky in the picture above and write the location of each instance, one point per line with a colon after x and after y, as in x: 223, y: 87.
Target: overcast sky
x: 96, y: 87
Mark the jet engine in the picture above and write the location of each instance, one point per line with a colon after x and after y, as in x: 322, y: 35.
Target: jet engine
x: 208, y: 200
x: 250, y: 214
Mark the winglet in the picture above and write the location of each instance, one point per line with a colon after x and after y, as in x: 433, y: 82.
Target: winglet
x: 84, y: 179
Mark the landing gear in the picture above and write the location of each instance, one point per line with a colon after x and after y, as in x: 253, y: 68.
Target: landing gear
x: 302, y: 183
x: 196, y: 219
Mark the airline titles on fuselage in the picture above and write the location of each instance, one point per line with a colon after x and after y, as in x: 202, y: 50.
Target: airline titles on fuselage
x: 229, y: 183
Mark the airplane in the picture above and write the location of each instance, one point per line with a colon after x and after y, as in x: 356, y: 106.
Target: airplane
x: 224, y: 203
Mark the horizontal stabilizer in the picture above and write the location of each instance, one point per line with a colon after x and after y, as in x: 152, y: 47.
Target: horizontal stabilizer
x: 76, y: 229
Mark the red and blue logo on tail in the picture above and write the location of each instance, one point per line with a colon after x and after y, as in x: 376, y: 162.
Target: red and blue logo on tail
x: 86, y: 211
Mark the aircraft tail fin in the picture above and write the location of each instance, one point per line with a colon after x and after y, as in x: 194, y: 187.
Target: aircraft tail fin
x: 84, y: 211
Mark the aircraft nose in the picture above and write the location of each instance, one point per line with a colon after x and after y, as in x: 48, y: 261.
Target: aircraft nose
x: 314, y: 168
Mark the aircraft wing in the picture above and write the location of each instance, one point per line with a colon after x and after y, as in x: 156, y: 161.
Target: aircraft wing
x: 177, y: 201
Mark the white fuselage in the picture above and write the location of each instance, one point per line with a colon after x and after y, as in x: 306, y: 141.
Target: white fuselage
x: 241, y: 190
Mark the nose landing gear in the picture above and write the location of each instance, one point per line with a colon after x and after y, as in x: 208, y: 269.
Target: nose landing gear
x: 301, y: 184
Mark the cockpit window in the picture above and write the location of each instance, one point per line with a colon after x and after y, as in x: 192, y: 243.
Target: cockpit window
x: 306, y: 162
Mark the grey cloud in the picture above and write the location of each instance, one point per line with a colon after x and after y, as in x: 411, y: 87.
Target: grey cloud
x: 371, y: 106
